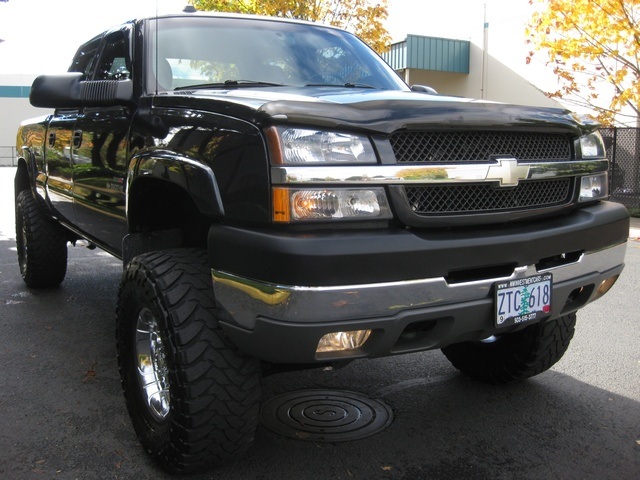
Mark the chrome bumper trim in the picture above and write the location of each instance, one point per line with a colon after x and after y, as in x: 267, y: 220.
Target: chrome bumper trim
x: 246, y: 300
x: 409, y: 174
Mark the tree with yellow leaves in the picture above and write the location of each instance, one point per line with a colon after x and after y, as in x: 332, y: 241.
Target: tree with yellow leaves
x: 365, y: 18
x: 594, y: 46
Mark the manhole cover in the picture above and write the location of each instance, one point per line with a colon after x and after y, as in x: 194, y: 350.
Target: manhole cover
x: 325, y: 415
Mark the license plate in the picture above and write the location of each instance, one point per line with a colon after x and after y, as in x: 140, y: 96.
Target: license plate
x: 523, y: 300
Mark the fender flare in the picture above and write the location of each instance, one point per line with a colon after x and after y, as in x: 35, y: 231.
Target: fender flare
x: 197, y: 179
x: 26, y: 173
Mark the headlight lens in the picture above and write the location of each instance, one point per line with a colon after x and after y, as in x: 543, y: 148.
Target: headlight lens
x: 301, y: 146
x: 318, y: 204
x: 594, y: 187
x: 590, y: 146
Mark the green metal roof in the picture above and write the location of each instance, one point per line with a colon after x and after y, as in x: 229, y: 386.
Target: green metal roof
x: 429, y: 53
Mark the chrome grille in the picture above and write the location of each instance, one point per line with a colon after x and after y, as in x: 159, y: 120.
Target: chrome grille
x: 483, y: 198
x: 470, y: 146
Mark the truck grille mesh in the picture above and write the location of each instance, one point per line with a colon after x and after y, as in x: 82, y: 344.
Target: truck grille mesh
x: 483, y: 198
x: 478, y: 146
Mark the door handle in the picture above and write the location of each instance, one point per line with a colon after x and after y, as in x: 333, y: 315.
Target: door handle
x: 52, y: 139
x: 77, y: 138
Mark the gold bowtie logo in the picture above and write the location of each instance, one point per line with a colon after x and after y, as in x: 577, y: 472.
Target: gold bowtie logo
x: 508, y: 173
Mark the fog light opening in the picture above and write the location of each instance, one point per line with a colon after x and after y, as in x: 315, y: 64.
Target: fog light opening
x: 340, y: 341
x: 606, y: 285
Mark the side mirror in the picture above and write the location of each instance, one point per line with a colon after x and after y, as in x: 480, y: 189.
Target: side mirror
x: 69, y: 91
x: 423, y: 89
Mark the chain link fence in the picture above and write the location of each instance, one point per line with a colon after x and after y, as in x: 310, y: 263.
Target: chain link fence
x: 623, y: 151
x: 7, y: 156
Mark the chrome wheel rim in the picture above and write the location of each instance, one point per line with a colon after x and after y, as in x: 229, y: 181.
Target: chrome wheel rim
x: 151, y: 365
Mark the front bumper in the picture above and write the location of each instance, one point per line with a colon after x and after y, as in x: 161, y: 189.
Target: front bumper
x: 283, y: 322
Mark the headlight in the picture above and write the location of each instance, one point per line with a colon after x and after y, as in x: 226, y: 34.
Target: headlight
x: 594, y: 187
x: 318, y: 204
x: 301, y: 146
x: 590, y: 146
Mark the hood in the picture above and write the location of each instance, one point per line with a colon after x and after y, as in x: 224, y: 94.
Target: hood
x: 384, y: 111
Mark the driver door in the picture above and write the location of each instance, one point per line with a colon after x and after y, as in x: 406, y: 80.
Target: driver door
x: 99, y: 153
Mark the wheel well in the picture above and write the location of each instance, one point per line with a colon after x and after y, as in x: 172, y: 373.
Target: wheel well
x: 156, y: 205
x: 21, y: 181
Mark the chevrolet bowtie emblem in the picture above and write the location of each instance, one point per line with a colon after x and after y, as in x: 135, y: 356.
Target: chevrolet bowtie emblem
x: 508, y: 172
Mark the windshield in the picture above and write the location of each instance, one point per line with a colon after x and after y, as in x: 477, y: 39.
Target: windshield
x: 235, y: 52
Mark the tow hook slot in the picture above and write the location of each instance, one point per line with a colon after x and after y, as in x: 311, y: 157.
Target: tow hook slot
x: 578, y: 298
x: 482, y: 273
x: 559, y: 260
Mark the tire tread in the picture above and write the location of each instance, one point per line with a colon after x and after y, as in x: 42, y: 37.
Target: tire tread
x: 514, y: 356
x: 46, y: 263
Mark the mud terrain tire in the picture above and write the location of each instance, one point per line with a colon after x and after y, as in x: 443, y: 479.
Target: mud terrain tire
x: 514, y: 356
x: 41, y: 244
x: 192, y: 397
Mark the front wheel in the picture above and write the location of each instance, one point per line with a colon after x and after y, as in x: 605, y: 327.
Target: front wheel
x: 192, y: 397
x: 514, y: 356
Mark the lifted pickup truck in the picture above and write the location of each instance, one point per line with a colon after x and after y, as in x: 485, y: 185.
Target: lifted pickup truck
x: 279, y: 197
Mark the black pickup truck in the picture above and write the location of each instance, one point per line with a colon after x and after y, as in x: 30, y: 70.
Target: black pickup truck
x: 279, y: 197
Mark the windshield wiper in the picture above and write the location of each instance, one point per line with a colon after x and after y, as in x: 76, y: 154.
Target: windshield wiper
x: 251, y: 83
x: 231, y: 84
x: 341, y: 85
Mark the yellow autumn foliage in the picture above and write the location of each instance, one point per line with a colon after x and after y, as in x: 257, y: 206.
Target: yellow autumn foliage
x: 365, y: 18
x: 594, y: 47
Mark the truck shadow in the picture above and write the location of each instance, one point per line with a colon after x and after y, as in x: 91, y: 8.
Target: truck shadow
x: 446, y: 426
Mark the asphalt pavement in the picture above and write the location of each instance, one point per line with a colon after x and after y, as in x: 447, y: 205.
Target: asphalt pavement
x: 62, y: 415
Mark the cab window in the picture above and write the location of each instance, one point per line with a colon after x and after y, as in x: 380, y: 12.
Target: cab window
x: 114, y: 61
x: 85, y: 58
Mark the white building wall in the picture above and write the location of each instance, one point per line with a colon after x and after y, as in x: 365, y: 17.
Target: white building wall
x: 14, y: 111
x: 501, y: 83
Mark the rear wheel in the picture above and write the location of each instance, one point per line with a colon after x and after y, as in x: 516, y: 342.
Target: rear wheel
x: 41, y: 243
x: 192, y: 397
x: 514, y: 356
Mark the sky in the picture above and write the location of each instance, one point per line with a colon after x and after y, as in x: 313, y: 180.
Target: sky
x: 41, y: 36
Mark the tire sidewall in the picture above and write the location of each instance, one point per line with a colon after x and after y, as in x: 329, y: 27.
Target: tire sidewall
x: 137, y: 294
x: 24, y: 235
x: 21, y: 241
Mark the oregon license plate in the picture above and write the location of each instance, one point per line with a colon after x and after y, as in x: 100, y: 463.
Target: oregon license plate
x: 523, y: 300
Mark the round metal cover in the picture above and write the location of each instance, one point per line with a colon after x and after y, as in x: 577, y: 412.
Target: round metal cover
x: 325, y: 415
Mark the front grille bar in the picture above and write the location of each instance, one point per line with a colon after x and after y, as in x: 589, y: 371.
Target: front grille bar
x: 427, y: 174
